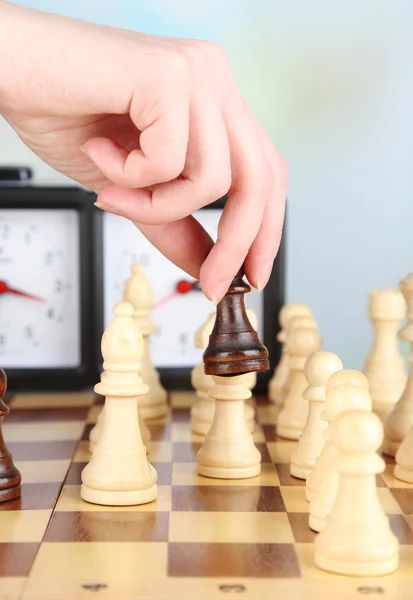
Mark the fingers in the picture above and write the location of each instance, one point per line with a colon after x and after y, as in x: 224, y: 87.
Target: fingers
x: 205, y: 178
x: 259, y: 262
x: 184, y: 242
x: 244, y: 210
x: 163, y: 132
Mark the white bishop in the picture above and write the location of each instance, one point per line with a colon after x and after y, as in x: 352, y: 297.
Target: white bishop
x: 119, y: 473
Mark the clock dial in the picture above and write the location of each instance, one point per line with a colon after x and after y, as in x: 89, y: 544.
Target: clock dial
x: 39, y: 288
x: 180, y: 306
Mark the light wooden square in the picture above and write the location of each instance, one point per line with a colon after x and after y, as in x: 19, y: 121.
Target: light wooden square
x: 391, y: 481
x: 230, y: 527
x: 186, y: 474
x: 70, y: 500
x: 47, y: 431
x: 100, y: 561
x: 183, y: 399
x: 294, y: 499
x: 43, y: 471
x: 53, y: 400
x: 11, y: 587
x: 23, y: 525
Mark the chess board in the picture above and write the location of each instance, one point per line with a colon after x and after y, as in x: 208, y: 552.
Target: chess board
x: 203, y: 539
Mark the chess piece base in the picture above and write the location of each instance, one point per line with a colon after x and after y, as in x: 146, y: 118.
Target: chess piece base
x: 389, y: 447
x: 118, y: 498
x: 10, y: 494
x: 316, y: 524
x: 358, y: 569
x: 299, y: 472
x: 202, y: 415
x: 403, y: 474
x: 229, y: 472
x: 10, y: 480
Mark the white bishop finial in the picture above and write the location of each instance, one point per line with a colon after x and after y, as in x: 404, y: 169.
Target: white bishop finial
x: 122, y: 346
x: 138, y: 292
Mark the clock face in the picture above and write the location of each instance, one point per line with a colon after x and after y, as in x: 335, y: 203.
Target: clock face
x: 39, y: 288
x: 176, y: 316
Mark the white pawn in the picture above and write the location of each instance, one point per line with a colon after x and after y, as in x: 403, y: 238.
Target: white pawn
x: 325, y: 497
x: 228, y: 451
x: 403, y: 469
x: 139, y: 293
x: 357, y: 539
x: 301, y: 342
x: 294, y: 323
x: 339, y: 398
x: 400, y: 419
x: 279, y: 378
x: 384, y: 367
x: 202, y: 412
x: 119, y: 473
x: 318, y: 369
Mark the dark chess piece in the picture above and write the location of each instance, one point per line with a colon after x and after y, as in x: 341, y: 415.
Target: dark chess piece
x: 10, y: 477
x: 234, y: 346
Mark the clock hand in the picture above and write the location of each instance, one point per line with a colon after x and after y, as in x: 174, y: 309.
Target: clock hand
x: 182, y: 287
x: 5, y: 289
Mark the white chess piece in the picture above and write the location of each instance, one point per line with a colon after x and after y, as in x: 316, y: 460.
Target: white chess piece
x: 279, y: 378
x: 400, y: 419
x: 95, y: 431
x: 119, y: 473
x: 139, y: 293
x: 294, y: 323
x: 318, y: 369
x: 403, y: 468
x: 228, y: 451
x: 202, y: 412
x: 357, y: 539
x: 339, y: 398
x: 301, y: 342
x: 384, y: 367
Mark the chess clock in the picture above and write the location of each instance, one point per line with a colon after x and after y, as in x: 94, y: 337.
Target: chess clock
x: 180, y: 307
x: 47, y: 291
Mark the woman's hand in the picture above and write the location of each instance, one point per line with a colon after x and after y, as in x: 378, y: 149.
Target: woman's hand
x: 163, y: 129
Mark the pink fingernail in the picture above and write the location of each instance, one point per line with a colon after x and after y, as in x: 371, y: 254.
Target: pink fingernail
x: 264, y: 275
x: 220, y: 290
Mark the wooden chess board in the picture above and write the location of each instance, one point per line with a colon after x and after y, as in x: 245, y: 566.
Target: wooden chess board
x: 202, y: 539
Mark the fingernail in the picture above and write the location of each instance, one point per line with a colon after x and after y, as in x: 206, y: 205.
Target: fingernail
x: 99, y: 205
x: 83, y: 150
x: 219, y: 291
x: 264, y: 275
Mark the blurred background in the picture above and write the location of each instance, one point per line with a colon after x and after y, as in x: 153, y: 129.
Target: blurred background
x: 332, y: 84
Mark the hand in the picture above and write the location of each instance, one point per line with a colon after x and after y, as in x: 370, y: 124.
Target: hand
x: 164, y: 131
